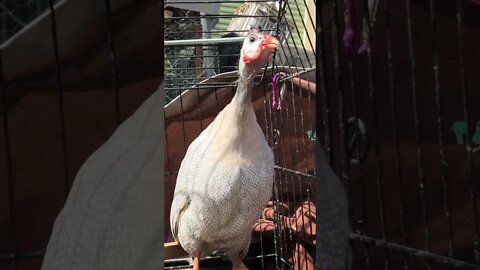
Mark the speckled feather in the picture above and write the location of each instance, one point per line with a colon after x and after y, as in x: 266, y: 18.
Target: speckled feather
x: 226, y: 177
x: 224, y: 182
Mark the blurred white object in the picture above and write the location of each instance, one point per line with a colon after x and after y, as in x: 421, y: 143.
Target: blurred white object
x: 113, y: 217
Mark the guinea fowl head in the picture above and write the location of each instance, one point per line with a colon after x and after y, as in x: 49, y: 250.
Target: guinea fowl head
x: 256, y: 52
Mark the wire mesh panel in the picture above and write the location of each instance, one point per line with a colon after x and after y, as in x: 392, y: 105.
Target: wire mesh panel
x: 40, y: 153
x: 182, y: 63
x: 263, y: 15
x: 284, y: 235
x: 397, y: 89
x: 17, y: 14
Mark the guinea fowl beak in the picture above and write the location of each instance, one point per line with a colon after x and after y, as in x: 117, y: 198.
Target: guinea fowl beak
x: 270, y: 42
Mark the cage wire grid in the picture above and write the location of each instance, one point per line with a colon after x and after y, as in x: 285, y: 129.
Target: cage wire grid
x: 379, y: 247
x: 213, y: 52
x: 16, y: 15
x: 9, y: 30
x: 363, y: 241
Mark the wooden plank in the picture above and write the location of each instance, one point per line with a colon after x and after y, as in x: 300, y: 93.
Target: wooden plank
x: 173, y: 250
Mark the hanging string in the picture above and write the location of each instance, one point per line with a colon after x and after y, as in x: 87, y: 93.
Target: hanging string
x: 276, y: 102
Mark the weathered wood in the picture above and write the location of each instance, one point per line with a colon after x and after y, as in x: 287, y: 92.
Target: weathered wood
x: 173, y: 250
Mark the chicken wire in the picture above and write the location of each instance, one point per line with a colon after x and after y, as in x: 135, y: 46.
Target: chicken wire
x: 181, y: 61
x: 290, y: 132
x: 187, y: 65
x: 15, y: 14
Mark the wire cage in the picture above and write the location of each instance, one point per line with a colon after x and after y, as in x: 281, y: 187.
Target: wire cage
x: 17, y: 14
x: 263, y: 15
x: 398, y: 92
x: 398, y: 118
x: 181, y: 63
x: 70, y: 73
x: 284, y: 238
x: 189, y: 63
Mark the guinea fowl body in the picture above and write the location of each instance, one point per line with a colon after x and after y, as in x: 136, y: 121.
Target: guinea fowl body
x: 226, y: 177
x: 224, y: 182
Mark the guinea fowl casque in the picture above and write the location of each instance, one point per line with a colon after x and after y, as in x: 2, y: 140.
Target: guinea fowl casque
x: 226, y: 177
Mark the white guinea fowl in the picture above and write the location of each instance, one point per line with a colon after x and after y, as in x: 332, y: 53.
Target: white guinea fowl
x: 226, y: 177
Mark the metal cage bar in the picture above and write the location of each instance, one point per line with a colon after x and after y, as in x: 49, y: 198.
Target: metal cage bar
x: 58, y: 81
x: 8, y: 166
x: 111, y: 43
x: 468, y: 148
x: 278, y: 125
x: 392, y: 89
x: 363, y: 242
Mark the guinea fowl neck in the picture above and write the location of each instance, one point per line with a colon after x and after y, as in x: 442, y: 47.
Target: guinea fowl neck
x: 243, y: 95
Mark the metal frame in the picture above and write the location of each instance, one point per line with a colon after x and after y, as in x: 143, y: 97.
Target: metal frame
x: 343, y: 67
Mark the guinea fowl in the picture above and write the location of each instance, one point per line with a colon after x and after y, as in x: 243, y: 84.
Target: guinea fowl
x: 226, y: 177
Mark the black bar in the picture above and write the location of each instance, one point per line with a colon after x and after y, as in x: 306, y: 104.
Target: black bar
x: 439, y: 115
x: 323, y: 87
x: 396, y: 138
x: 338, y: 85
x: 356, y: 137
x: 367, y: 256
x: 351, y: 147
x: 58, y: 80
x: 423, y: 191
x: 468, y: 148
x: 112, y: 60
x: 8, y: 165
x: 377, y: 160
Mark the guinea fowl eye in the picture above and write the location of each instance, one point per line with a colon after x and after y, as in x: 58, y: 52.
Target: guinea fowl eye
x: 252, y: 39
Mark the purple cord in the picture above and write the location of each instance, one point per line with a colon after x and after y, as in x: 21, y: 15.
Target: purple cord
x: 350, y: 27
x: 276, y: 105
x: 350, y: 32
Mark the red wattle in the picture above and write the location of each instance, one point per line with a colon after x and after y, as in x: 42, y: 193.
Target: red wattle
x: 246, y: 58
